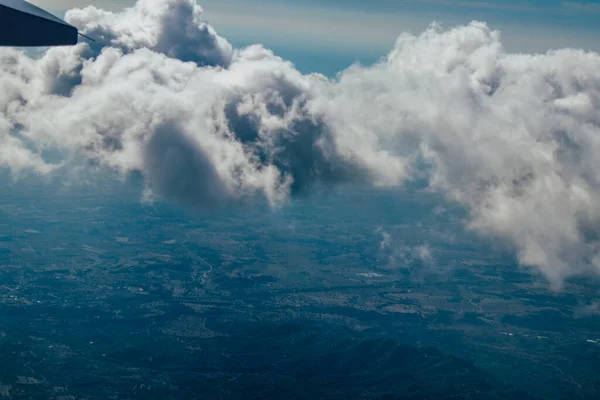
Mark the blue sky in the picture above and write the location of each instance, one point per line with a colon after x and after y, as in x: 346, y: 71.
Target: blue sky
x: 328, y: 35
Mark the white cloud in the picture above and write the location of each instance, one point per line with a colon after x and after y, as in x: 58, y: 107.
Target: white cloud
x: 174, y: 28
x: 514, y: 138
x: 401, y: 255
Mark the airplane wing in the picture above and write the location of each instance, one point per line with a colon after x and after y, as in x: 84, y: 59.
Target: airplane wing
x: 23, y: 24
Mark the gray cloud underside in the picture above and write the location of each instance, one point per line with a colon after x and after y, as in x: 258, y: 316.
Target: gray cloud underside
x: 512, y: 137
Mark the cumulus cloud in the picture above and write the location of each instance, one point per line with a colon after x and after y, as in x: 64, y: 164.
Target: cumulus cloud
x: 511, y: 137
x: 174, y: 28
x: 401, y: 255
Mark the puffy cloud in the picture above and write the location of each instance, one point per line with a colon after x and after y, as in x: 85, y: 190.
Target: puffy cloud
x: 400, y: 255
x: 174, y: 28
x: 511, y: 137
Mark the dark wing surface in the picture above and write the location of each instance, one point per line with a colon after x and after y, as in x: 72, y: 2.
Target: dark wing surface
x: 23, y: 24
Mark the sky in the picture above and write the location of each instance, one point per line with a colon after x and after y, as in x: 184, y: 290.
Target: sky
x: 221, y: 105
x: 327, y: 35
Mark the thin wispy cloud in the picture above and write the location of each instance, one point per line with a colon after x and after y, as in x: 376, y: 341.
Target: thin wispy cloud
x: 581, y: 7
x: 479, y: 5
x: 539, y: 7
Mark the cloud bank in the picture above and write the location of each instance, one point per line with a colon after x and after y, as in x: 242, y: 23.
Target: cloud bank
x: 514, y: 138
